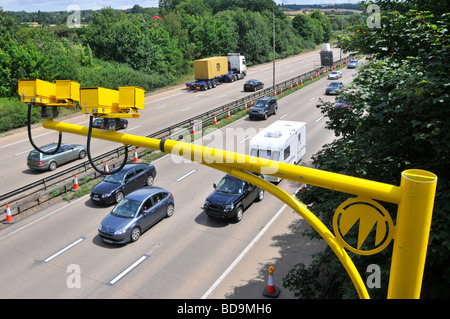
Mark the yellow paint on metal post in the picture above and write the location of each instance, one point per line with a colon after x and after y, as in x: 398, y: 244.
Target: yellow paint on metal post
x: 413, y: 228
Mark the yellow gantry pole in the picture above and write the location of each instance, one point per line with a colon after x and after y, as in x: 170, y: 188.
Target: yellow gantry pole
x: 413, y: 228
x: 415, y: 198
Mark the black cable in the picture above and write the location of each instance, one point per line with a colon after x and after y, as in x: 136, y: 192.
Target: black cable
x: 88, y: 149
x: 31, y: 139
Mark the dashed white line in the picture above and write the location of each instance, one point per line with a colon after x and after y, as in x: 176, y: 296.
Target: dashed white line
x: 318, y: 119
x: 76, y: 242
x: 311, y: 99
x: 186, y: 175
x: 160, y: 107
x: 126, y: 271
x: 188, y: 108
x: 244, y: 139
x: 283, y: 116
x: 133, y: 128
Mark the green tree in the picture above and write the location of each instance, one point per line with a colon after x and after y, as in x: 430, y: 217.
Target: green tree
x: 399, y: 119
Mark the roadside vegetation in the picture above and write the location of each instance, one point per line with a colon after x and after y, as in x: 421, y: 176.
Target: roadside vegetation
x: 147, y: 47
x: 404, y: 95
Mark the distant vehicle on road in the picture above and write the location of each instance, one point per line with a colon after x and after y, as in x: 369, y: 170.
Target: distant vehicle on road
x: 136, y: 213
x: 115, y: 187
x: 334, y: 75
x: 334, y: 88
x: 263, y: 108
x: 253, y: 85
x: 110, y: 123
x: 231, y: 197
x: 282, y: 141
x: 352, y: 64
x: 65, y: 154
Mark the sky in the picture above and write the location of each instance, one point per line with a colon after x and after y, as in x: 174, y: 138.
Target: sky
x: 63, y: 5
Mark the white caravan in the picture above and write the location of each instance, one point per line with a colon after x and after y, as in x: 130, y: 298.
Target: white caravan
x: 282, y: 141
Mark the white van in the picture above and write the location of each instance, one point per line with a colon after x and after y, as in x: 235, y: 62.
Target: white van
x: 282, y: 141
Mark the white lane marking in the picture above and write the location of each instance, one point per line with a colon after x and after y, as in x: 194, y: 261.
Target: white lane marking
x: 133, y: 128
x: 311, y: 99
x: 245, y: 139
x: 283, y: 116
x: 26, y: 140
x: 76, y: 242
x: 126, y: 271
x: 243, y: 253
x: 163, y: 98
x: 318, y: 119
x: 188, y: 108
x: 186, y: 175
x: 43, y: 217
x: 160, y: 107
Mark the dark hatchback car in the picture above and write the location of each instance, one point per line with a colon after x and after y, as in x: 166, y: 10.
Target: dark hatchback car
x: 115, y: 187
x: 334, y: 88
x: 253, y: 85
x: 107, y: 124
x: 263, y: 108
x: 66, y: 153
x: 136, y: 213
x: 231, y: 197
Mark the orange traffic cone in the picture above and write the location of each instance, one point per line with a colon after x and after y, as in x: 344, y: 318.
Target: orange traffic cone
x: 193, y: 128
x: 229, y: 115
x: 271, y: 290
x: 135, y: 156
x: 75, y: 184
x: 9, y: 219
x: 106, y: 168
x: 215, y: 119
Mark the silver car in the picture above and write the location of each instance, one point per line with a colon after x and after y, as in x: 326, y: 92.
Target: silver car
x: 66, y: 153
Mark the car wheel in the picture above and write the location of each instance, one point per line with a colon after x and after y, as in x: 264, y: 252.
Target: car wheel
x: 124, y: 126
x: 82, y: 154
x: 170, y: 210
x: 265, y: 116
x: 119, y: 197
x: 135, y: 234
x: 150, y: 180
x: 260, y: 195
x: 239, y: 214
x: 275, y: 110
x: 52, y: 166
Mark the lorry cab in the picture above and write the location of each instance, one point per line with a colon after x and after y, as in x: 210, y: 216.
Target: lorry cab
x: 237, y: 63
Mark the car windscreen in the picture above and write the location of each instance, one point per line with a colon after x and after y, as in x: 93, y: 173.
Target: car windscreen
x: 261, y: 104
x: 127, y: 208
x: 115, y: 178
x: 230, y: 186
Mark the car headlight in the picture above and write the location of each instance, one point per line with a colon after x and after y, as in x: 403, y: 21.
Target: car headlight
x: 106, y: 195
x: 120, y: 232
x: 206, y: 204
x: 228, y: 208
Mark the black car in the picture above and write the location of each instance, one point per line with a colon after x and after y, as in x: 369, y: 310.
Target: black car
x: 263, y: 108
x: 109, y: 124
x: 115, y: 187
x: 231, y: 197
x: 253, y: 85
x: 334, y: 88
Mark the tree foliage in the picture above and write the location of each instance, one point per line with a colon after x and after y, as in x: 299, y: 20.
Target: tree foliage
x: 399, y: 119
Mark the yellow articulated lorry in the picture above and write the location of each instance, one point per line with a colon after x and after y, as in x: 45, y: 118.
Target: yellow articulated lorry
x: 209, y: 72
